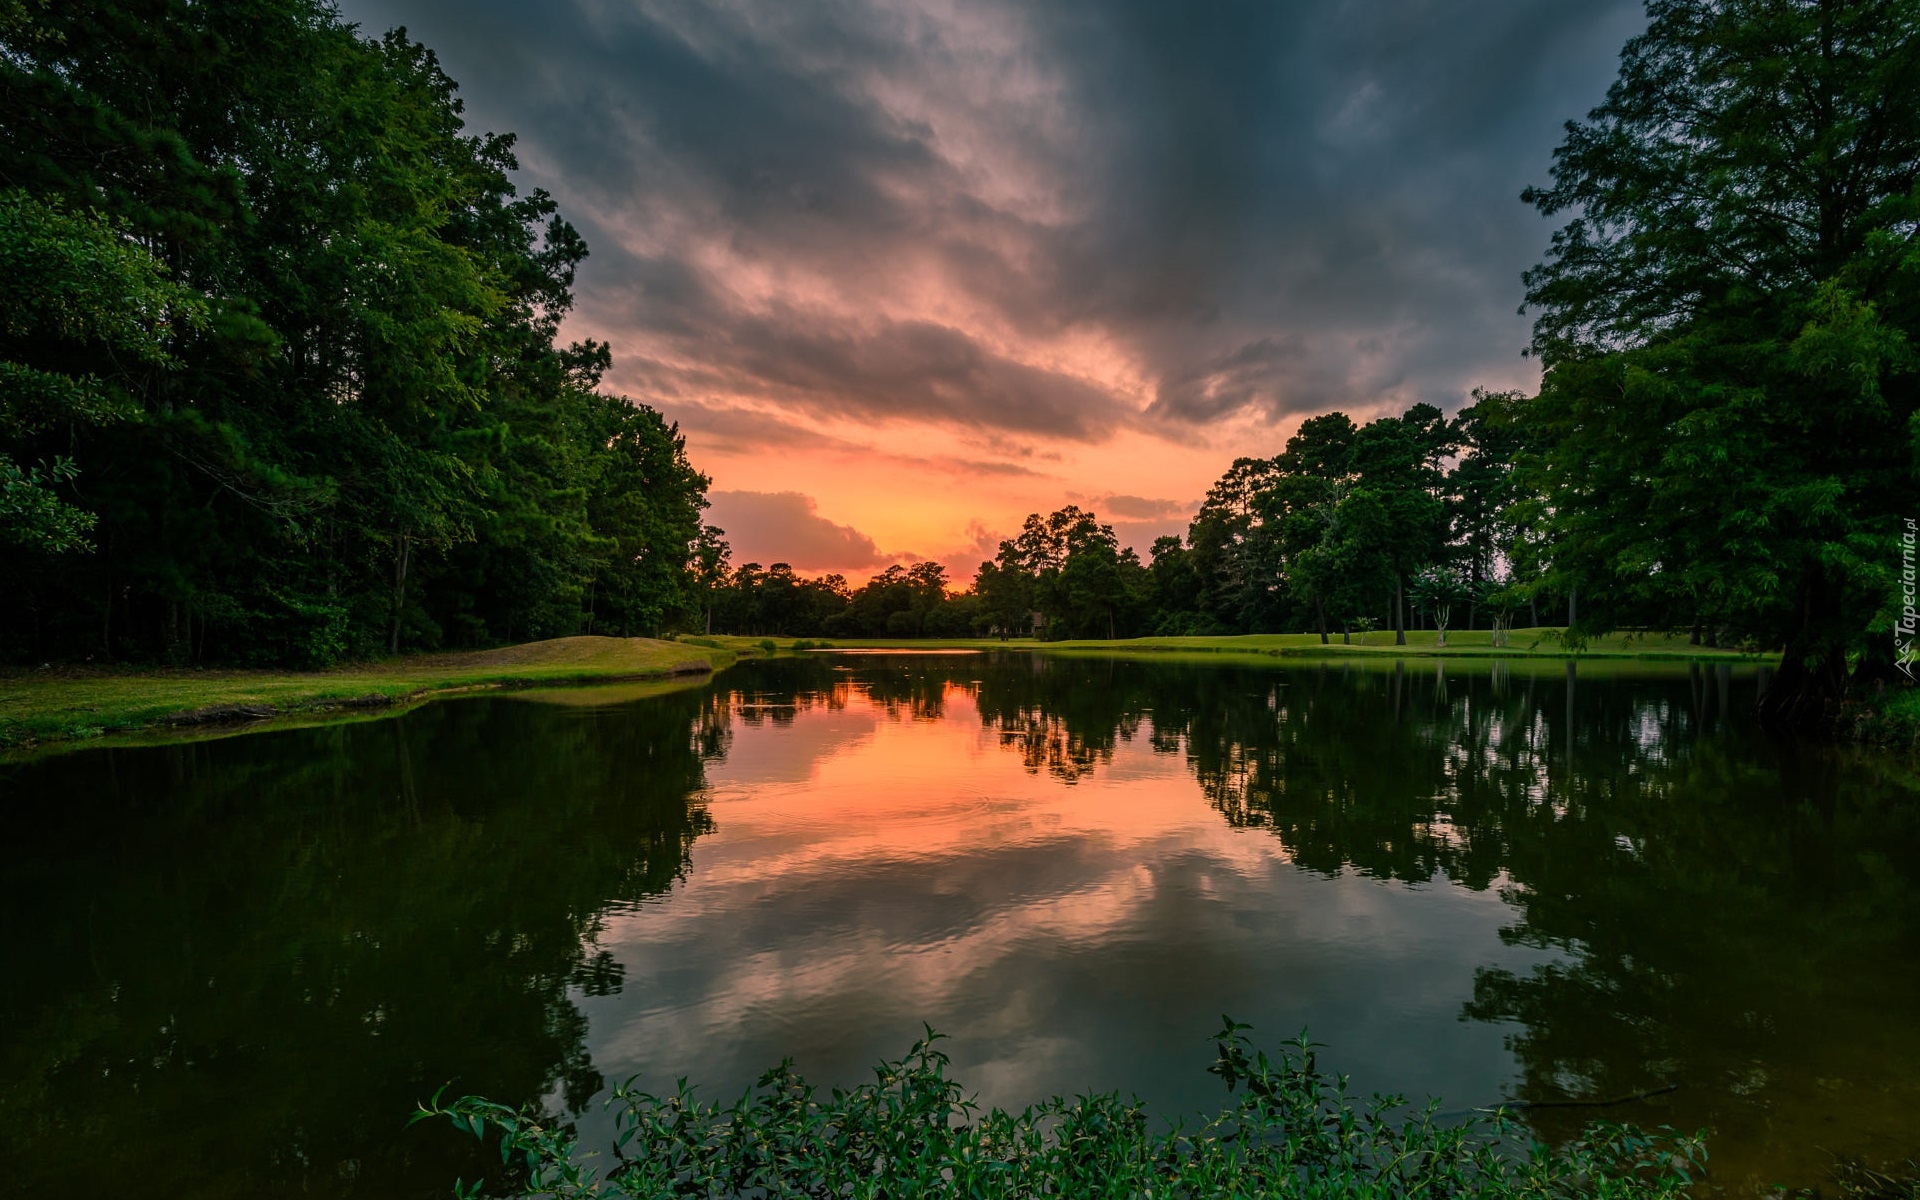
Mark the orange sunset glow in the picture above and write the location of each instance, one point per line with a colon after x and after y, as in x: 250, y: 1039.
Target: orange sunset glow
x: 906, y: 271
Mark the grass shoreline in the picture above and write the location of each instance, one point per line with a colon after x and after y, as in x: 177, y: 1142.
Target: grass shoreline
x: 1537, y: 643
x: 58, y: 706
x: 1891, y: 719
x: 52, y: 705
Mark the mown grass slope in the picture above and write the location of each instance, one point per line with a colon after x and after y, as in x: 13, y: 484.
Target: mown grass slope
x: 60, y: 703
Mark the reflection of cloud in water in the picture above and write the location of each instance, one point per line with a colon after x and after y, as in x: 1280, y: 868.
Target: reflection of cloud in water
x: 862, y: 882
x: 801, y: 744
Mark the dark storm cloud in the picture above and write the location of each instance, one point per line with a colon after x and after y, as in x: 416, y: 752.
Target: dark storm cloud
x: 958, y: 211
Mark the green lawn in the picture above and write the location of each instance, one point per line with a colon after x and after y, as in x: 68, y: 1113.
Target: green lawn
x: 61, y: 703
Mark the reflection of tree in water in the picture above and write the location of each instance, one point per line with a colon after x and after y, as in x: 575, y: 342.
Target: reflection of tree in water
x: 1741, y: 921
x: 1064, y: 717
x: 241, y: 962
x: 1737, y: 916
x: 776, y: 691
x: 1061, y: 716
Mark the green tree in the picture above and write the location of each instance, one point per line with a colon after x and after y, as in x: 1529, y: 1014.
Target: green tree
x: 1072, y: 570
x: 1726, y: 425
x: 710, y: 574
x: 1173, y: 587
x: 645, y: 504
x: 87, y: 318
x: 1232, y: 550
x: 1439, y: 590
x: 1304, y: 506
x: 1397, y: 517
x: 1005, y: 595
x: 349, y: 425
x: 1481, y: 488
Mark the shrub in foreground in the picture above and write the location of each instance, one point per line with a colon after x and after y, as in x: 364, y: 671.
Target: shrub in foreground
x: 1290, y: 1130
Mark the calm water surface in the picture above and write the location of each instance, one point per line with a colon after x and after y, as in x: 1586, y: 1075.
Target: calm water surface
x: 229, y: 968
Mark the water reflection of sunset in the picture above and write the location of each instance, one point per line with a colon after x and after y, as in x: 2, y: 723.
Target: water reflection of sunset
x: 870, y: 870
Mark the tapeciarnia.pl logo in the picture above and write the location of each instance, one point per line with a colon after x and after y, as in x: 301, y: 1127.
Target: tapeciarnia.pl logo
x: 1904, y: 652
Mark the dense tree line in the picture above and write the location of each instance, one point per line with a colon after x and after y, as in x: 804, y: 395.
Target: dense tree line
x: 279, y: 370
x: 899, y: 602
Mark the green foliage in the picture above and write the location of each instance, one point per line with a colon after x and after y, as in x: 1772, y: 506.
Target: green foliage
x: 1331, y: 530
x: 1725, y: 431
x: 900, y: 602
x: 1291, y: 1130
x: 77, y: 297
x: 33, y: 516
x: 1070, y: 572
x: 294, y: 332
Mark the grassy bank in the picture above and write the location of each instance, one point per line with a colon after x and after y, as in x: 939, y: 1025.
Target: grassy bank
x: 1891, y: 720
x: 1476, y: 643
x: 56, y: 704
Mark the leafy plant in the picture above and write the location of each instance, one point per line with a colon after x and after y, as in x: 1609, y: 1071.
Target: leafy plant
x: 1290, y: 1130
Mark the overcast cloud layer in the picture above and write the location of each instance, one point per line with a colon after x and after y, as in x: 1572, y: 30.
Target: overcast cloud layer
x: 987, y: 236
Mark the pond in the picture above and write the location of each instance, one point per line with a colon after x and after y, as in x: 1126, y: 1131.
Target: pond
x: 231, y: 967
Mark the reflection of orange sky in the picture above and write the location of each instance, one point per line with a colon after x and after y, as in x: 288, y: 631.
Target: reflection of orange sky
x: 953, y: 784
x: 866, y: 862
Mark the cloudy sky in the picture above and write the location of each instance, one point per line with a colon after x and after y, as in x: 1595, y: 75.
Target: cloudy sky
x: 907, y: 270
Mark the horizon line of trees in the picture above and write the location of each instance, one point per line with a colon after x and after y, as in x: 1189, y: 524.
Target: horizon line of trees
x: 1407, y: 521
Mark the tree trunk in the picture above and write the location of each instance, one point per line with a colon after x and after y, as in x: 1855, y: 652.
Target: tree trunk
x: 1320, y: 615
x: 1800, y: 696
x: 403, y: 550
x: 106, y: 613
x: 1573, y: 604
x: 1399, y: 609
x: 1812, y: 679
